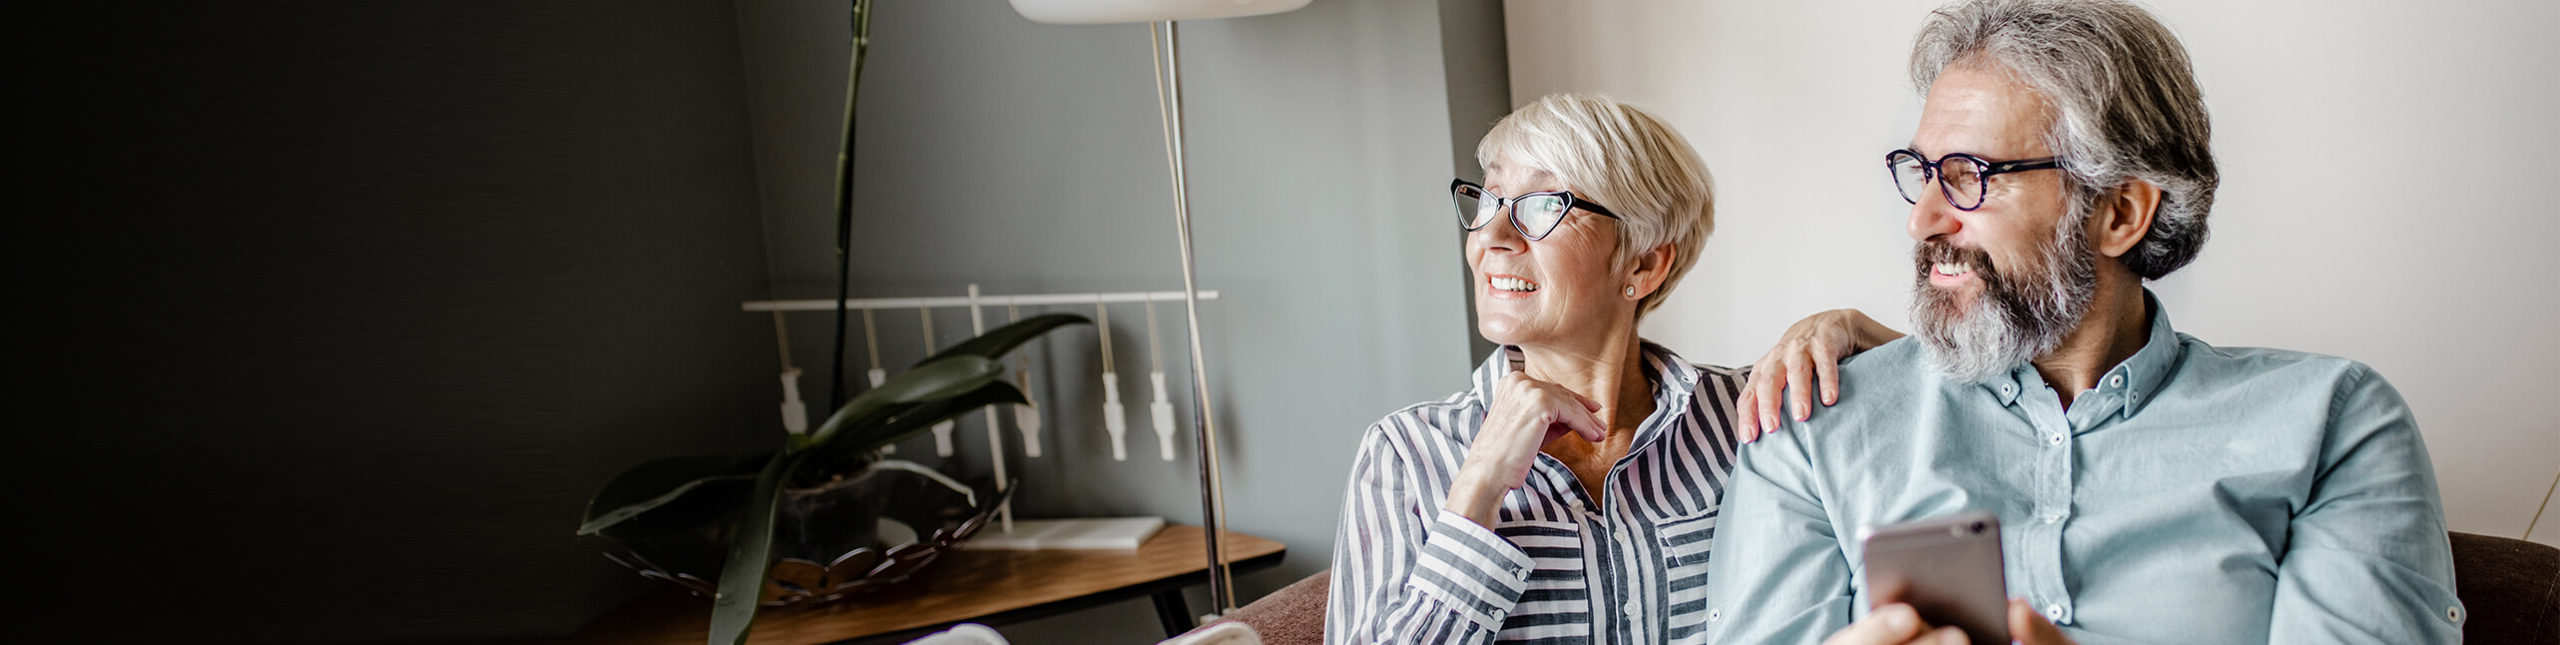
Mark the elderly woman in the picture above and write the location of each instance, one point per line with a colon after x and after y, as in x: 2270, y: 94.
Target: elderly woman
x: 1571, y: 492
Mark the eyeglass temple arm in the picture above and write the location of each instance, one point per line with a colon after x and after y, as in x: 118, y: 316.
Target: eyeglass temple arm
x: 2023, y: 165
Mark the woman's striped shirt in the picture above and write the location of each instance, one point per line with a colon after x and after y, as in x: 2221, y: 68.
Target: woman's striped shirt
x: 1556, y: 567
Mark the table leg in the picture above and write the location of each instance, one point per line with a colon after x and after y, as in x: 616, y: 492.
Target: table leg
x: 1171, y: 610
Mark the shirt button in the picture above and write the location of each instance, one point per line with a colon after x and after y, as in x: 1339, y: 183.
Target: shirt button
x: 1714, y: 615
x: 2008, y: 389
x: 2115, y: 381
x: 2453, y: 614
x: 2053, y: 613
x: 2056, y: 439
x: 2050, y: 518
x: 1630, y: 607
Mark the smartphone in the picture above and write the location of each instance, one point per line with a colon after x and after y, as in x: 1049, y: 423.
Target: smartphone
x: 1947, y: 567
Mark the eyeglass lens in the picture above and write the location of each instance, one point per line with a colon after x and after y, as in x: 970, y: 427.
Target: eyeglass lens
x: 1960, y: 177
x: 1473, y: 211
x: 1535, y: 215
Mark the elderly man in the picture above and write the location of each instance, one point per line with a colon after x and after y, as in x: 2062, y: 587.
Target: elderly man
x: 2151, y: 487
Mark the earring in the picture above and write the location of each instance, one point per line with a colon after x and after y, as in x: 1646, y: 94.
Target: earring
x: 1631, y: 291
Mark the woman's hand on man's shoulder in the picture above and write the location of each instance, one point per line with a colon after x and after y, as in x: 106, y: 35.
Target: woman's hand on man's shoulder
x: 1806, y: 359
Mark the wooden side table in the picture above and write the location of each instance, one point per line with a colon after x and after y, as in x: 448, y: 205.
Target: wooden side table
x: 964, y: 586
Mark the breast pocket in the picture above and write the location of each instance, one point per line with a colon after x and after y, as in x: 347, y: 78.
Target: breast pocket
x: 1685, y: 540
x: 1558, y: 594
x: 1685, y: 543
x: 1553, y: 546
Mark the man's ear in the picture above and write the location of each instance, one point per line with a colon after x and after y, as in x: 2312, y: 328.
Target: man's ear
x: 2124, y: 218
x: 1650, y: 268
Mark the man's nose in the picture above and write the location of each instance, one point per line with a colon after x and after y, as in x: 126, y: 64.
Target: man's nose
x: 1931, y: 215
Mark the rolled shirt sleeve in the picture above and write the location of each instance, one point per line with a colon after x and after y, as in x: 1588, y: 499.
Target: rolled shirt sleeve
x: 1407, y: 571
x: 2368, y: 559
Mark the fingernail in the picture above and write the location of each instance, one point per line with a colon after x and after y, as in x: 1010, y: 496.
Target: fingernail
x: 1899, y: 617
x: 1769, y: 422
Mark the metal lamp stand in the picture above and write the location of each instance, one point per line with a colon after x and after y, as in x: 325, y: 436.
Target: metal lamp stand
x: 1168, y: 63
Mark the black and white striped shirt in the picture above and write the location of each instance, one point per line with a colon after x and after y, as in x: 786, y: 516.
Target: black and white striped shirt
x: 1555, y: 566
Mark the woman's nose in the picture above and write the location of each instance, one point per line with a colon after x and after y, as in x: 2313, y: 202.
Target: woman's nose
x: 1498, y: 235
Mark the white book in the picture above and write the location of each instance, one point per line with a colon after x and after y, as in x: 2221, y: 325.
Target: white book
x: 1117, y: 533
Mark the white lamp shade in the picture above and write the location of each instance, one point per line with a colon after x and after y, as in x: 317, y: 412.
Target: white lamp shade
x: 1089, y: 12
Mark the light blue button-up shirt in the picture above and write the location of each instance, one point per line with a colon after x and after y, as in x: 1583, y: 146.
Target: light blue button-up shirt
x: 2197, y: 494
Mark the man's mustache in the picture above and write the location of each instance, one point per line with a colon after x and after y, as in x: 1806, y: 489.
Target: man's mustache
x: 1929, y: 253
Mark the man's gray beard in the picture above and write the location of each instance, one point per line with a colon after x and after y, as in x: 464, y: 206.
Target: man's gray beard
x: 2016, y: 318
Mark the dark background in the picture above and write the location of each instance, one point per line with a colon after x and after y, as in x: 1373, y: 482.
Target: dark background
x: 340, y: 310
x: 345, y: 308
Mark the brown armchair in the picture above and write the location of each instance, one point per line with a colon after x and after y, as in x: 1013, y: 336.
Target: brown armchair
x: 2510, y: 587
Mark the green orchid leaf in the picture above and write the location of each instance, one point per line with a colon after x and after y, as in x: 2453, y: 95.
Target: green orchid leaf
x: 733, y: 609
x: 996, y: 343
x: 937, y: 379
x: 705, y: 502
x: 862, y: 439
x: 924, y: 415
x: 699, y: 480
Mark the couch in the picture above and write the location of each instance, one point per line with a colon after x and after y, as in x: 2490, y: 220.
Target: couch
x: 2510, y: 587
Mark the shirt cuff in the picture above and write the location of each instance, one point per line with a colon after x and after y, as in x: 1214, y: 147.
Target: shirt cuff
x: 1472, y: 569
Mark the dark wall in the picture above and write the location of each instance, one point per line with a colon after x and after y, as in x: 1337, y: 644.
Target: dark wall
x: 1029, y: 158
x: 1479, y: 69
x: 341, y: 309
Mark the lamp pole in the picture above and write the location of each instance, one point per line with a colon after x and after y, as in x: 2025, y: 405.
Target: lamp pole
x: 1162, y: 38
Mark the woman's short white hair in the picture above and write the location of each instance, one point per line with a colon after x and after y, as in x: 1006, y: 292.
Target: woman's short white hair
x: 1623, y: 158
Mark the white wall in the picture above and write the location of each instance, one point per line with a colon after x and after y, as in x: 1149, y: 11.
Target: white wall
x: 2386, y: 171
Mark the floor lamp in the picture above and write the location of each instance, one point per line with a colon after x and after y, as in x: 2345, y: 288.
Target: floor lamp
x: 1161, y: 35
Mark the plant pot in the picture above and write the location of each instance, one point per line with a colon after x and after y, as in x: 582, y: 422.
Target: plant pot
x: 855, y: 533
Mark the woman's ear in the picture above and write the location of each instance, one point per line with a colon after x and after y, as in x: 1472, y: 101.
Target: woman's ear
x: 2126, y: 218
x: 1649, y: 269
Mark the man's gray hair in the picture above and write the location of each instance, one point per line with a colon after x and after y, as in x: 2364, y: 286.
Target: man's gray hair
x: 2126, y: 98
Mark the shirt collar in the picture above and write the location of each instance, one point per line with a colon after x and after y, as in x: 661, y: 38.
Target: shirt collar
x: 2135, y: 382
x: 1674, y: 382
x: 2148, y: 370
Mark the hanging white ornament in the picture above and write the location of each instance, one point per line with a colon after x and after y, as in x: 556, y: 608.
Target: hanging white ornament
x: 871, y: 341
x: 941, y: 431
x: 1162, y: 409
x: 1115, y: 417
x: 1026, y: 416
x: 795, y: 413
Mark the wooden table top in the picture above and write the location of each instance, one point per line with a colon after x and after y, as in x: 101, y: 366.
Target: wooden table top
x: 961, y: 586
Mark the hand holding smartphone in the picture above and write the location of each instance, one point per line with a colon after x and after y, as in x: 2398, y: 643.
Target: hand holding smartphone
x: 1947, y: 567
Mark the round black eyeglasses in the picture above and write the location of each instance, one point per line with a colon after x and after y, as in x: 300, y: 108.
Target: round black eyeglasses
x: 1534, y: 214
x: 1962, y: 178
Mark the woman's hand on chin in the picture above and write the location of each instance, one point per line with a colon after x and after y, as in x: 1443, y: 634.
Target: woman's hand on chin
x: 1807, y: 357
x: 1526, y: 413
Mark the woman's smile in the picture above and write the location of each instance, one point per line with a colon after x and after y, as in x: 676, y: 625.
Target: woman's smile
x: 1503, y: 285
